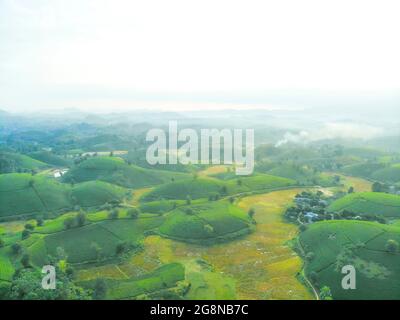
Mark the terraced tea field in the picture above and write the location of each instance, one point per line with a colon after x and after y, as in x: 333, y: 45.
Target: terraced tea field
x: 258, y: 266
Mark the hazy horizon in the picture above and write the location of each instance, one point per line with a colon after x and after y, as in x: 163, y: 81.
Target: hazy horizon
x: 101, y: 55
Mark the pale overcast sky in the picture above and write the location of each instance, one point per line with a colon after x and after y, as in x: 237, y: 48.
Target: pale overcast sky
x: 124, y: 53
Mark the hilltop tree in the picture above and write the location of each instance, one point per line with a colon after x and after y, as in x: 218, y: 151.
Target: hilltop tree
x: 392, y: 246
x: 100, y: 289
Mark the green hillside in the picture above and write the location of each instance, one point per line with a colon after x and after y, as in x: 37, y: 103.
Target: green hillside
x: 79, y: 243
x: 24, y: 194
x: 206, y: 223
x: 376, y: 203
x: 362, y: 169
x: 334, y: 244
x: 94, y: 193
x: 14, y: 162
x: 50, y: 158
x: 388, y: 174
x: 205, y: 187
x: 115, y: 170
x: 151, y: 284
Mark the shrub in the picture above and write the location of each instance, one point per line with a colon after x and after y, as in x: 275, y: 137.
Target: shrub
x: 80, y: 219
x: 25, y: 234
x: 392, y: 246
x: 100, y: 289
x: 303, y: 227
x: 113, y: 214
x: 2, y: 243
x: 39, y: 222
x: 25, y: 260
x: 16, y: 248
x: 29, y: 226
x: 251, y: 213
x: 133, y: 212
x: 69, y: 223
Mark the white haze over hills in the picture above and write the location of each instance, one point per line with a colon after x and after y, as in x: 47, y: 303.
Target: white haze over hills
x: 105, y: 56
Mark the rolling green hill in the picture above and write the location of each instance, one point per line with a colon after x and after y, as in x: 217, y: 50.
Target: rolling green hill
x: 78, y: 243
x: 14, y: 162
x: 362, y: 169
x: 335, y: 244
x: 51, y: 158
x: 205, y: 187
x: 206, y: 223
x: 376, y: 203
x: 388, y: 174
x: 24, y: 194
x: 115, y: 170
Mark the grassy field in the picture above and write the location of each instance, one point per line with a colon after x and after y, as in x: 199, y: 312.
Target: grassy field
x: 362, y: 244
x: 387, y: 205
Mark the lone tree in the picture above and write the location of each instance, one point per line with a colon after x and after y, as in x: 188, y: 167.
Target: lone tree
x: 325, y: 293
x: 39, y: 222
x: 121, y: 247
x: 377, y: 187
x: 80, y: 219
x: 188, y: 200
x: 100, y: 289
x: 16, y: 248
x: 251, y: 213
x: 113, y: 214
x: 29, y: 227
x: 133, y: 212
x: 26, y: 260
x: 392, y: 246
x: 25, y: 234
x: 69, y: 223
x: 231, y: 199
x: 351, y: 190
